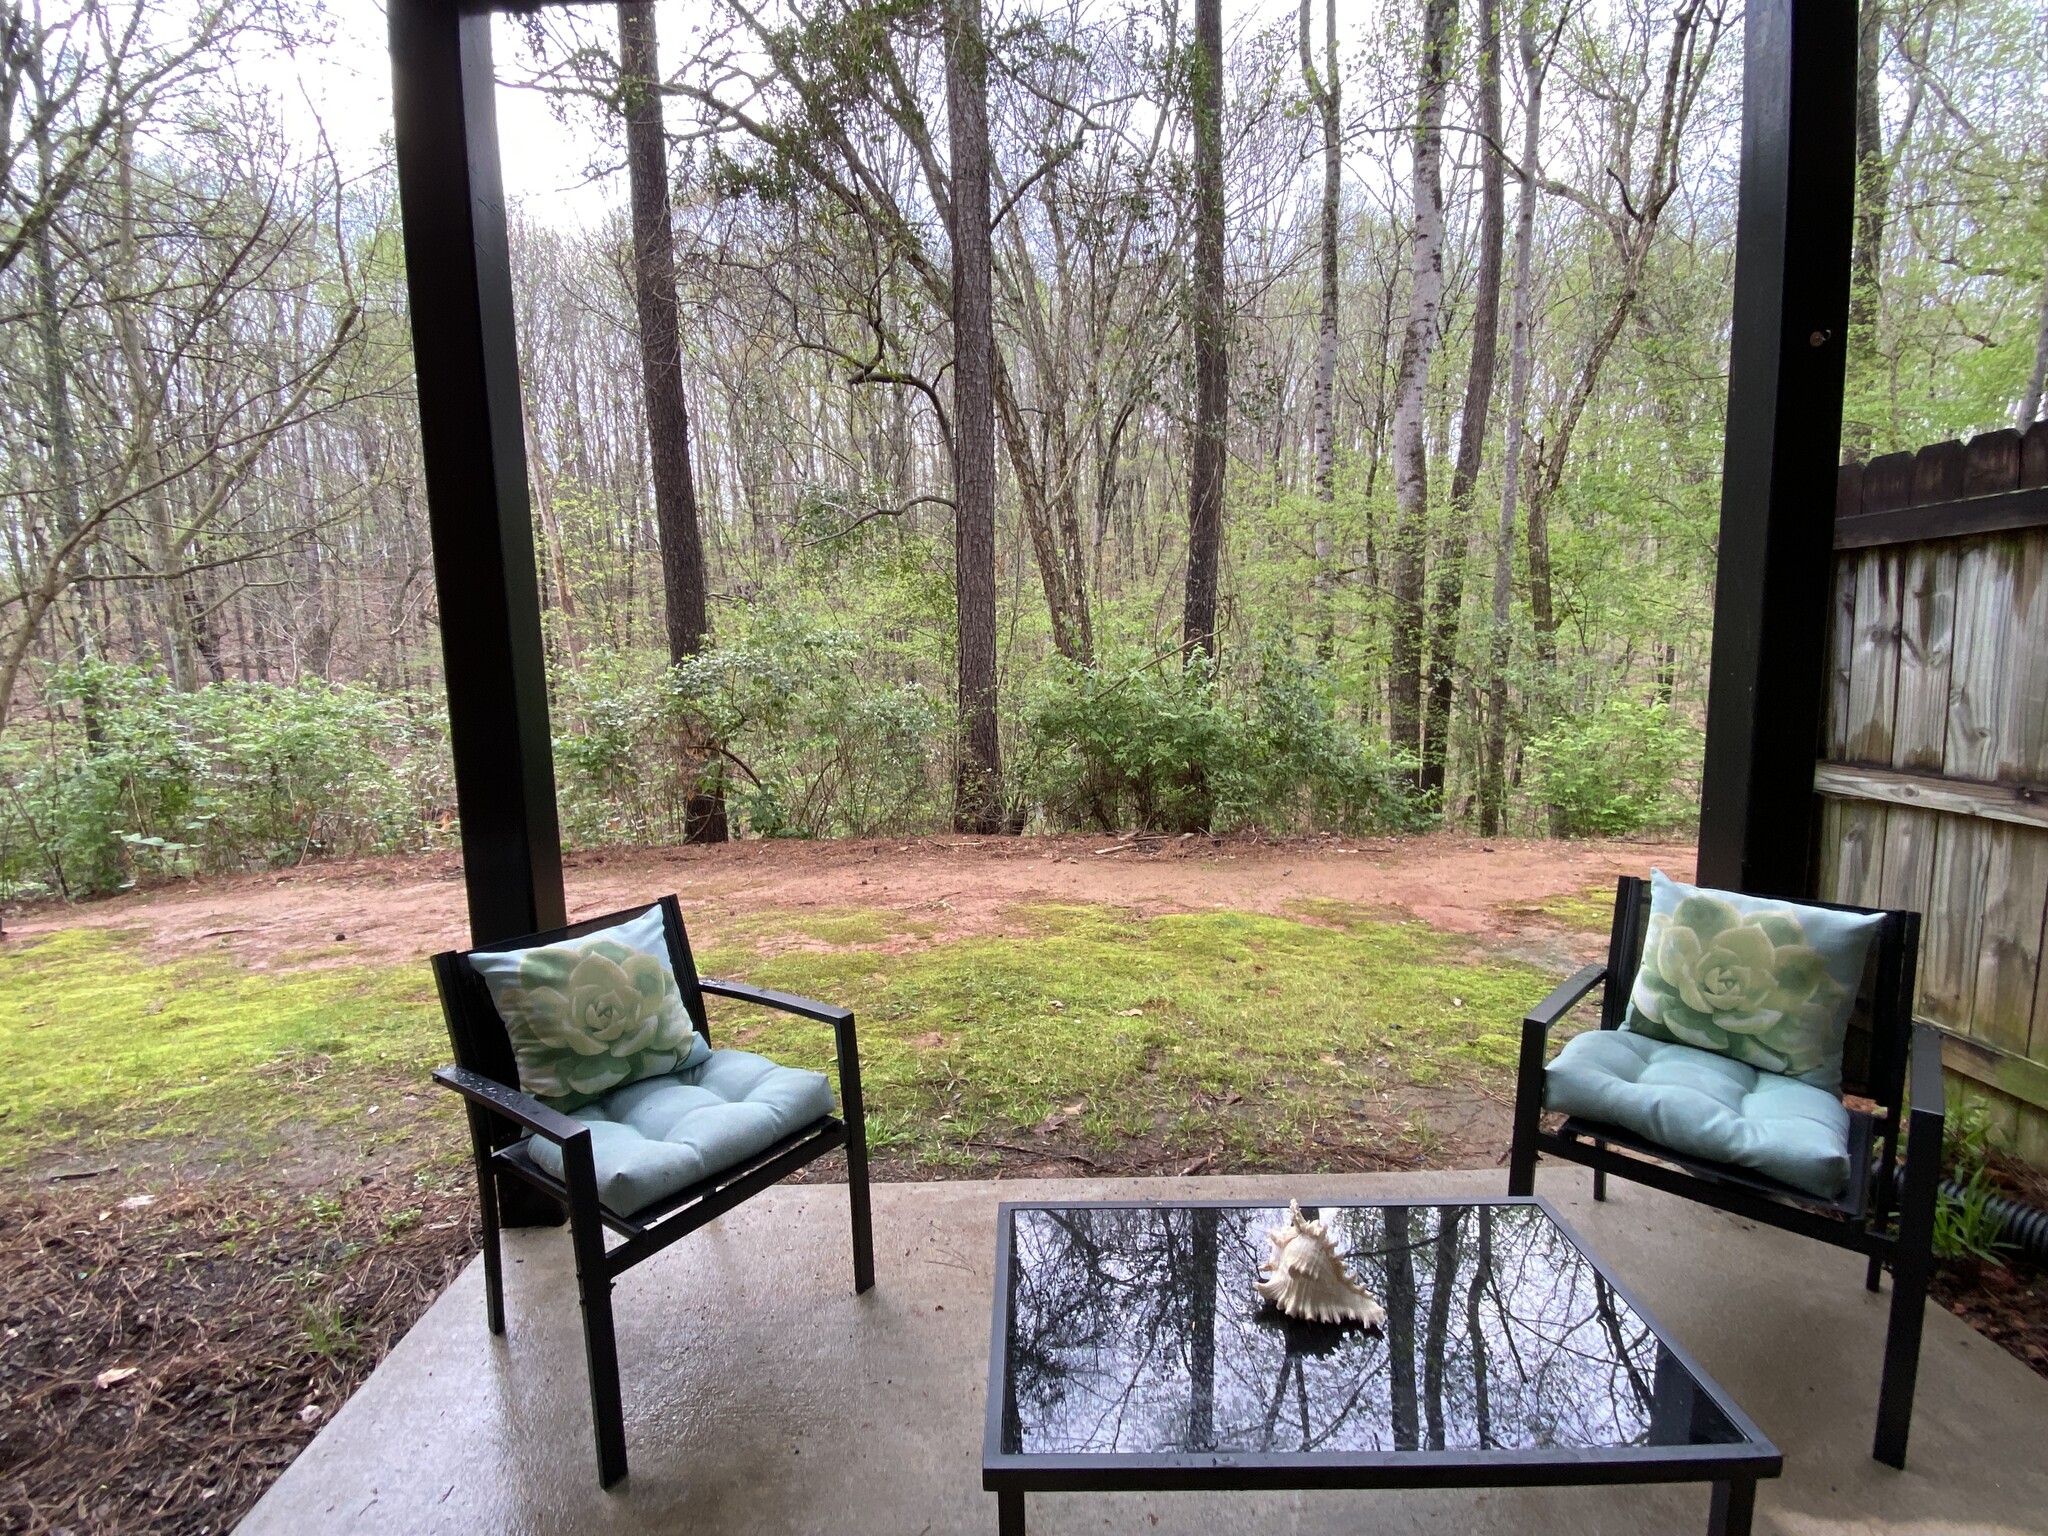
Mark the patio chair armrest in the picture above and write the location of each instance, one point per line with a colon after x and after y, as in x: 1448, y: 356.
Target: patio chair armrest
x: 786, y: 1002
x: 520, y: 1108
x: 1563, y: 998
x: 1536, y: 1025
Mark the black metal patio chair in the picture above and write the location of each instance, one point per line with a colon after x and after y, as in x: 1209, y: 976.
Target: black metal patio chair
x: 1887, y: 1210
x: 505, y: 1123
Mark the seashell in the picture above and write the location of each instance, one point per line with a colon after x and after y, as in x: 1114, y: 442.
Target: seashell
x: 1306, y: 1279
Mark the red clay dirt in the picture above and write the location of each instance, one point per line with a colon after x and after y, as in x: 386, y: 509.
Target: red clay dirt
x: 404, y: 908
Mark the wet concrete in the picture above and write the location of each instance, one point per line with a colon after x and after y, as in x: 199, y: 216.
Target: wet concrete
x: 762, y: 1396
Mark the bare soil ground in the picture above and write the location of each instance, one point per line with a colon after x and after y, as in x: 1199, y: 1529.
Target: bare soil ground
x: 401, y: 909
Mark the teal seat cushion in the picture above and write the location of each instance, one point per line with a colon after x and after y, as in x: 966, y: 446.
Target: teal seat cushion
x: 1705, y: 1105
x: 1768, y: 982
x: 661, y: 1134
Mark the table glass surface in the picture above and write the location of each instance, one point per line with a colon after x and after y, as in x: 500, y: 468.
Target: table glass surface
x: 1134, y: 1330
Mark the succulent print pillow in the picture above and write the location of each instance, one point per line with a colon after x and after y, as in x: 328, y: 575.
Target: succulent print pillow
x: 1767, y: 982
x: 590, y: 1014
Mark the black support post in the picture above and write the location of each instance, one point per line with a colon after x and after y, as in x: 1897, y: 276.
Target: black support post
x: 1787, y: 353
x: 459, y: 280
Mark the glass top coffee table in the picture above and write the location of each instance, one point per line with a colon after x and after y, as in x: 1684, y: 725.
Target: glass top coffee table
x: 1130, y: 1353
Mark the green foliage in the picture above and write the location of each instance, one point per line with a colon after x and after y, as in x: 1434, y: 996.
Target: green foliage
x: 1167, y: 748
x: 132, y: 777
x: 1965, y: 1227
x: 811, y: 742
x: 1618, y: 769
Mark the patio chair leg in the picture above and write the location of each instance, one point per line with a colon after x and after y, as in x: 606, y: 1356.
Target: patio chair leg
x: 1600, y: 1175
x: 487, y: 1210
x: 1873, y: 1274
x: 1009, y: 1512
x: 1733, y: 1508
x: 594, y: 1288
x: 852, y: 1107
x: 1912, y: 1266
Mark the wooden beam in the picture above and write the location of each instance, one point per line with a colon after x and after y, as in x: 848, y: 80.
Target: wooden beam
x: 1779, y: 480
x: 459, y: 281
x: 2024, y: 804
x: 2019, y: 1076
x: 2003, y: 513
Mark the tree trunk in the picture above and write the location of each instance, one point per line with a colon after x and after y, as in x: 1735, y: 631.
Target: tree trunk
x: 1493, y: 758
x: 1212, y: 380
x: 1418, y: 348
x: 661, y: 366
x: 1325, y: 92
x: 978, y: 796
x: 1448, y: 601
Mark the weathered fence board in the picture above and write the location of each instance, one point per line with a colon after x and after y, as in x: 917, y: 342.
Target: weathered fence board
x: 1926, y: 633
x: 1934, y: 765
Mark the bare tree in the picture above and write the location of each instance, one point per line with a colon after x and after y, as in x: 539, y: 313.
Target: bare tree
x: 1447, y: 602
x: 661, y: 367
x: 1521, y: 361
x: 978, y: 796
x: 1418, y: 350
x: 1208, y: 451
x: 1325, y: 94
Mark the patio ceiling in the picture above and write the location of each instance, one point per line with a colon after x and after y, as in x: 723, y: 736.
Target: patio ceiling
x: 1784, y: 424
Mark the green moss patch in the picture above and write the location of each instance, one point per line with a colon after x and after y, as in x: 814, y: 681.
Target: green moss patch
x: 1588, y: 911
x: 101, y: 1045
x: 1181, y: 1028
x: 1218, y: 1031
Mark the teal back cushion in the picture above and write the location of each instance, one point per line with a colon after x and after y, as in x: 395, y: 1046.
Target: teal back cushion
x: 1768, y: 982
x: 587, y: 1015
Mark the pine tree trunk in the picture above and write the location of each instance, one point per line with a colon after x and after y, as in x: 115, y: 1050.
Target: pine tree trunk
x: 1325, y: 92
x: 1448, y: 601
x: 1493, y: 758
x: 1212, y: 381
x: 661, y: 366
x: 978, y: 795
x: 1418, y: 349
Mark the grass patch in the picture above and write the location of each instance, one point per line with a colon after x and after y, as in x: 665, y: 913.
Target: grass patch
x: 1207, y: 1030
x: 103, y: 1045
x: 1588, y: 911
x: 1165, y: 1026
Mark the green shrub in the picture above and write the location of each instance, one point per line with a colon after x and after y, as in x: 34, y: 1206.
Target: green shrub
x: 128, y: 777
x: 1617, y: 769
x: 789, y: 719
x: 1163, y: 747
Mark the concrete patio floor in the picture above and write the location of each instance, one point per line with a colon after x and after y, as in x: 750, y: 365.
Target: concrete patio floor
x: 762, y: 1396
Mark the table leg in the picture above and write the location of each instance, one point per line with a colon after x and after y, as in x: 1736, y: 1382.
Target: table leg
x: 1010, y: 1512
x: 1734, y: 1504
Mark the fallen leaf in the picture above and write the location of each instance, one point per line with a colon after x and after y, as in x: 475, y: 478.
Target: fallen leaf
x: 1131, y: 1013
x: 137, y: 1202
x: 114, y: 1375
x: 312, y: 1413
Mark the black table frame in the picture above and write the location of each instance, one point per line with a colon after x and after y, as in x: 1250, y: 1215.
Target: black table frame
x: 1733, y: 1469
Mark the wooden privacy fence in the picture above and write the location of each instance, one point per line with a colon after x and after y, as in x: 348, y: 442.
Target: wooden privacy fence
x: 1934, y: 761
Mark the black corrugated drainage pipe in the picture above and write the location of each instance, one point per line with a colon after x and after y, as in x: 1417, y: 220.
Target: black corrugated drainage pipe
x: 2023, y: 1226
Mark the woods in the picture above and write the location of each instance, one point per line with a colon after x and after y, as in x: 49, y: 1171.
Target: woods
x: 992, y: 416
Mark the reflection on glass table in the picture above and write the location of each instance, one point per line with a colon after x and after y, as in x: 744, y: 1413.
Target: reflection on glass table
x: 1132, y: 1352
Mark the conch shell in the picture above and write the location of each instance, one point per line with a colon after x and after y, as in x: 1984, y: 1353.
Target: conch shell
x: 1306, y: 1279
